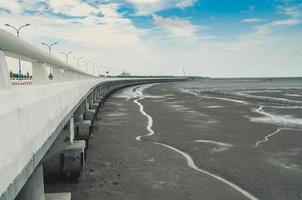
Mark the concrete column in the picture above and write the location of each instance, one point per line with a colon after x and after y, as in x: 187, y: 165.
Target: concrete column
x: 80, y: 110
x: 34, y: 187
x: 87, y: 104
x: 71, y: 127
x: 64, y: 139
x: 40, y: 74
x: 4, y: 74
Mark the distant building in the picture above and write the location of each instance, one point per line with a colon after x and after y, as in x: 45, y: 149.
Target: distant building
x: 125, y: 74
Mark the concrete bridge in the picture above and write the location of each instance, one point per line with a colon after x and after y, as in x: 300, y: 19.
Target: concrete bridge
x: 45, y: 127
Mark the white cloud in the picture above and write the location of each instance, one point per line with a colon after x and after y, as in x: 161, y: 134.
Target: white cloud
x: 294, y: 17
x: 111, y: 30
x: 185, y: 3
x: 252, y: 20
x: 10, y: 5
x: 71, y: 7
x: 178, y: 28
x: 89, y: 36
x: 293, y: 11
x: 286, y: 22
x: 147, y: 7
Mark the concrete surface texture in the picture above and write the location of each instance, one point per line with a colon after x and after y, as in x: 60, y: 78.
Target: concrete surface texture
x: 28, y: 117
x: 167, y: 141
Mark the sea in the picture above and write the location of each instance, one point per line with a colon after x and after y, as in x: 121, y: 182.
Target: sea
x: 243, y: 84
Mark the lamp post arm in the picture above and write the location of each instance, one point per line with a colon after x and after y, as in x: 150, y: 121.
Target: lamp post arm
x: 53, y: 44
x: 12, y: 27
x: 22, y: 27
x: 45, y: 44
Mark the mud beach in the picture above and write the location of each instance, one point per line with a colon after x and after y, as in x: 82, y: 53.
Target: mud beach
x: 176, y: 141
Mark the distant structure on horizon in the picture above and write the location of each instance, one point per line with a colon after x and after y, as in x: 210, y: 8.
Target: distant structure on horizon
x: 125, y: 74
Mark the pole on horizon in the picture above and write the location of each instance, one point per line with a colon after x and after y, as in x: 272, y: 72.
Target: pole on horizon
x: 18, y: 35
x: 184, y: 72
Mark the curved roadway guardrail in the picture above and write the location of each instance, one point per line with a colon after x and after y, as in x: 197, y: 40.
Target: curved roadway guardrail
x: 32, y: 117
x: 18, y: 48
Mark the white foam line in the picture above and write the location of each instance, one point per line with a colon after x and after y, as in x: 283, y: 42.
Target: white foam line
x: 214, y: 142
x: 188, y: 158
x: 190, y: 92
x: 227, y: 99
x: 285, y: 107
x: 150, y: 119
x: 259, y: 110
x: 208, y: 97
x: 191, y: 164
x: 214, y: 106
x: 266, y: 138
x: 293, y: 122
x: 293, y: 95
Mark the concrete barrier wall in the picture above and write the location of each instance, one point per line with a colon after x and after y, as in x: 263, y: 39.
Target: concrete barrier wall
x: 28, y: 117
x: 31, y: 119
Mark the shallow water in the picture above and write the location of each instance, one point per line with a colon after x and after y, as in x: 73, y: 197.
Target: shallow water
x: 243, y: 84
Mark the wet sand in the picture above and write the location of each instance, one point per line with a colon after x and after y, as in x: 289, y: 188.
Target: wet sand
x: 219, y: 136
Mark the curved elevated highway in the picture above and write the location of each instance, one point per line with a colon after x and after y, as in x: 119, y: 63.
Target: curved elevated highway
x: 46, y: 125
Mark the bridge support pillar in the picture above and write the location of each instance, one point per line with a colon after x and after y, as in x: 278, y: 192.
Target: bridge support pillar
x: 66, y: 156
x: 90, y: 115
x: 34, y: 187
x: 94, y: 106
x: 97, y: 100
x: 83, y: 131
x: 80, y: 110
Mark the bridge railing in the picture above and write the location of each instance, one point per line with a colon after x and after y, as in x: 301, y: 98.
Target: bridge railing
x: 32, y: 117
x: 15, y: 47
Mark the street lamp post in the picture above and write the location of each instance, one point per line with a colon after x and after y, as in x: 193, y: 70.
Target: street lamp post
x: 78, y: 61
x: 18, y: 35
x: 66, y: 55
x: 49, y: 51
x: 49, y: 46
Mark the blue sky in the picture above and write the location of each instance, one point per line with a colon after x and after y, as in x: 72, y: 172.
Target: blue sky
x: 218, y: 38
